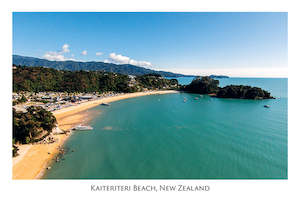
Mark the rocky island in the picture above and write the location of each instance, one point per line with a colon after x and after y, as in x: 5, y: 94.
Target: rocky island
x: 208, y: 85
x: 243, y: 92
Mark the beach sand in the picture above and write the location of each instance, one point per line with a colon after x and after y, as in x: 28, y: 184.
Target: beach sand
x: 33, y: 159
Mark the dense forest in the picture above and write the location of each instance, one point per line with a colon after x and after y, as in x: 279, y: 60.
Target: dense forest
x: 32, y: 125
x: 202, y: 85
x: 38, y: 79
x: 126, y: 69
x: 243, y: 92
x: 151, y: 81
x: 207, y: 85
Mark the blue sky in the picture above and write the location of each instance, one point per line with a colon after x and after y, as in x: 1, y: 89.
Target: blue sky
x: 235, y: 44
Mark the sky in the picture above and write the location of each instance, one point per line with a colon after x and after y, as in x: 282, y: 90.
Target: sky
x: 234, y: 44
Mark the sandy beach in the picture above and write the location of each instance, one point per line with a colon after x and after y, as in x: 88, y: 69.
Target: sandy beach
x: 33, y: 159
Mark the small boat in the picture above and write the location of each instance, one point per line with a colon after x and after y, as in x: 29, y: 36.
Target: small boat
x: 184, y: 100
x: 267, y: 106
x: 196, y: 98
x: 105, y: 104
x: 82, y: 128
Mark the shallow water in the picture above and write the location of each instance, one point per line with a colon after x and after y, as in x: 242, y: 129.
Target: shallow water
x: 161, y: 137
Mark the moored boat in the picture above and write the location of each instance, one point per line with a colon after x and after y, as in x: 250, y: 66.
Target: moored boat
x: 82, y: 128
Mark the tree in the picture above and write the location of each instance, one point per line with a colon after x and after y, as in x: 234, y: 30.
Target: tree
x: 15, y: 150
x: 30, y: 125
x: 39, y: 79
x: 202, y: 85
x: 207, y: 85
x: 243, y: 92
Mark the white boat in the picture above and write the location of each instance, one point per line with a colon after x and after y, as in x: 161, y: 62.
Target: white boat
x: 82, y: 128
x: 267, y: 106
x: 105, y: 104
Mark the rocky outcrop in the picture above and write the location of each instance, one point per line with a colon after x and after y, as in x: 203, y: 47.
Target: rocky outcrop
x: 243, y: 92
x: 207, y: 85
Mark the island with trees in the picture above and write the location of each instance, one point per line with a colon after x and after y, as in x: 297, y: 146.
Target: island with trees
x: 218, y: 76
x: 207, y: 85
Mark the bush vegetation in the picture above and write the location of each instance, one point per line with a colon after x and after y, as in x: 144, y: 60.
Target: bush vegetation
x: 243, y: 92
x: 207, y: 85
x: 40, y: 79
x: 202, y: 85
x: 21, y: 100
x: 34, y: 123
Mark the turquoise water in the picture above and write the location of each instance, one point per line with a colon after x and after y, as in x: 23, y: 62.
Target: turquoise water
x: 161, y: 137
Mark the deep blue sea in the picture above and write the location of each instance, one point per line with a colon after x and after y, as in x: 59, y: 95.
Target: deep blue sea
x: 163, y: 137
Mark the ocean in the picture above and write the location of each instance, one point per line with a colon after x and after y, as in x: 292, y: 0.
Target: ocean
x: 163, y: 137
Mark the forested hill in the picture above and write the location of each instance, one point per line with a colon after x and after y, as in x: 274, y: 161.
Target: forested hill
x: 126, y: 69
x: 40, y: 79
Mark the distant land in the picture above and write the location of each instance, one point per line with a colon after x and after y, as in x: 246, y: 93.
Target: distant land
x: 126, y: 69
x: 218, y: 76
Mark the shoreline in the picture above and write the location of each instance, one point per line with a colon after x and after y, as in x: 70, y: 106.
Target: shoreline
x: 33, y: 159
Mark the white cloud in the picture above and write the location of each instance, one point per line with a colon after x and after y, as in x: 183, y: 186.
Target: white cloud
x: 106, y: 61
x: 58, y: 56
x: 120, y: 59
x: 65, y: 48
x: 84, y: 52
x: 54, y: 56
x: 140, y: 63
x: 99, y: 53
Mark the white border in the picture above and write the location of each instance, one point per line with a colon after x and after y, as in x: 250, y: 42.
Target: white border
x: 220, y: 189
